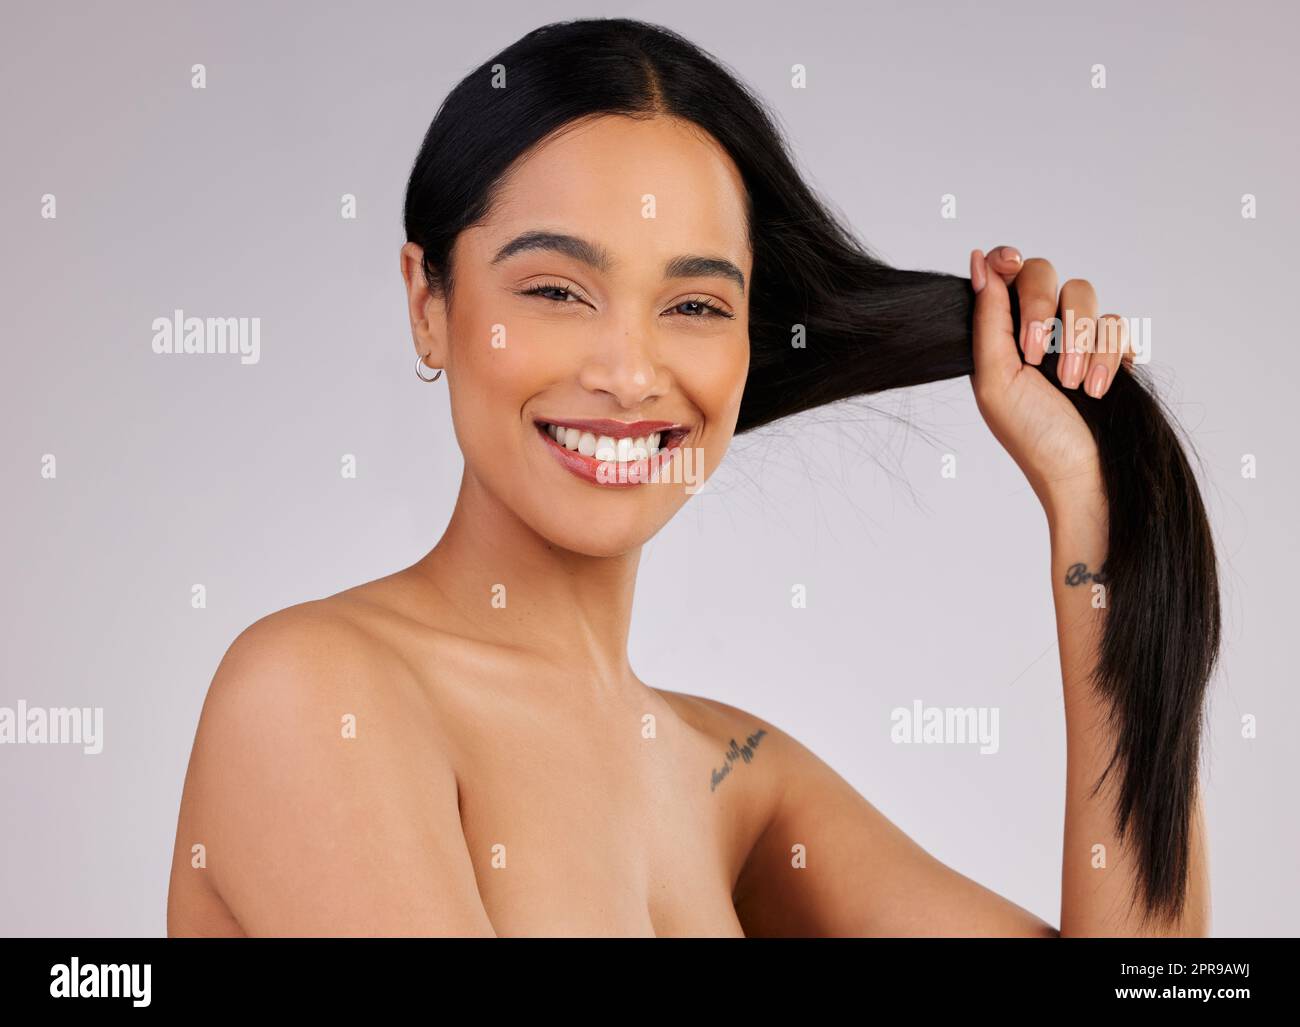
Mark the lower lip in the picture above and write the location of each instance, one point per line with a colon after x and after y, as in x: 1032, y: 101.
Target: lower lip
x: 639, y: 472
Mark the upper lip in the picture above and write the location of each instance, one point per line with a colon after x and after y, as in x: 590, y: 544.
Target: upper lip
x: 613, y: 429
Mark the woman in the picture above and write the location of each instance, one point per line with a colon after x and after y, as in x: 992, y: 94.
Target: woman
x: 615, y: 263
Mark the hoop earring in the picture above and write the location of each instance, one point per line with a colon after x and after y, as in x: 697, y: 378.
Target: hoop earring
x: 419, y: 363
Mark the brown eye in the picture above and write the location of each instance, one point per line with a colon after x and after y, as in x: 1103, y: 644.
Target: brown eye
x: 547, y: 291
x: 701, y: 308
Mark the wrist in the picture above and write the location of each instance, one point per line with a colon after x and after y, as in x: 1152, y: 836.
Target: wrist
x: 1076, y: 504
x: 1079, y: 530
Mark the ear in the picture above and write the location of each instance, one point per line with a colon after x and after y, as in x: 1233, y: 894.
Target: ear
x: 427, y: 309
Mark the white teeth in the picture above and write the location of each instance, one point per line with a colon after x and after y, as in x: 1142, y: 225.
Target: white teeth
x: 605, y: 447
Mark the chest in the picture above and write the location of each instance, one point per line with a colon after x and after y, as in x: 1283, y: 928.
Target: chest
x: 578, y: 828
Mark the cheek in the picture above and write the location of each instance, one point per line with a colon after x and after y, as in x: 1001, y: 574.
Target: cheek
x: 739, y: 374
x: 714, y: 378
x: 487, y: 382
x: 497, y: 368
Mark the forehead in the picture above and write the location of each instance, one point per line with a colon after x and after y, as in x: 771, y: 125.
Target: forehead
x: 646, y: 189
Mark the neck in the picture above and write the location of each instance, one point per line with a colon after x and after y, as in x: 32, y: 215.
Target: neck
x: 510, y: 585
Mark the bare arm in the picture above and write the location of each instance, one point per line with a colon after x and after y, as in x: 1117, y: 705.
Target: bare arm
x: 830, y: 864
x: 1096, y: 899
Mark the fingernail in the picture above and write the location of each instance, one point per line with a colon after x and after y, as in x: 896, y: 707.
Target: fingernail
x: 1071, y: 370
x: 1009, y: 254
x: 1034, y: 348
x: 1097, y: 381
x: 977, y: 270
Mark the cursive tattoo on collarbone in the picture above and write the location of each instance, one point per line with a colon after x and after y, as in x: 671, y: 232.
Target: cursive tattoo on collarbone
x: 735, y: 753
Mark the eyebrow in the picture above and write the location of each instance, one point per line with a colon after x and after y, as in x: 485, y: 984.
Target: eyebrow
x: 596, y: 256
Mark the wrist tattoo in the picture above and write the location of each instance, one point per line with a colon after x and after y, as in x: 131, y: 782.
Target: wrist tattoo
x: 1078, y: 574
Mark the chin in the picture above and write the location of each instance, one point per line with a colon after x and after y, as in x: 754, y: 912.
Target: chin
x: 609, y: 540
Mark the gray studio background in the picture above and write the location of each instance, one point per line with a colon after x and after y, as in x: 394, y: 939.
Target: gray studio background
x: 225, y: 202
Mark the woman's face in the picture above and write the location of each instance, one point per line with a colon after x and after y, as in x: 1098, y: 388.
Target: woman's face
x: 608, y: 287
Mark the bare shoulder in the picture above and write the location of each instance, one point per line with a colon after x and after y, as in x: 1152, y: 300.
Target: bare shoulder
x: 767, y: 753
x: 345, y: 657
x: 727, y: 724
x: 292, y: 674
x: 314, y: 756
x: 323, y: 638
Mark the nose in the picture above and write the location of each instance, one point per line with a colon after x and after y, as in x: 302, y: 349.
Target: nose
x: 626, y: 368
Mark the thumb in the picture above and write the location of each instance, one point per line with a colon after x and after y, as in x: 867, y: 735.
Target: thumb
x: 996, y: 355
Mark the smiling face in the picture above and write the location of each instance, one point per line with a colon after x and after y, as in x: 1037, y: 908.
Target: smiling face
x: 598, y: 330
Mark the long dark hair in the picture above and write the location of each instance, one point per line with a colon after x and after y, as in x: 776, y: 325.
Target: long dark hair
x: 871, y: 327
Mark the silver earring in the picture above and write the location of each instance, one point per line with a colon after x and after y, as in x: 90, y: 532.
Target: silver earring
x: 419, y: 363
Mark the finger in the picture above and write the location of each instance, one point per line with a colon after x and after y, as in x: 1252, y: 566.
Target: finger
x: 996, y: 359
x: 1005, y: 261
x: 1112, y: 343
x: 1036, y: 290
x: 1130, y: 353
x: 1079, y: 325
